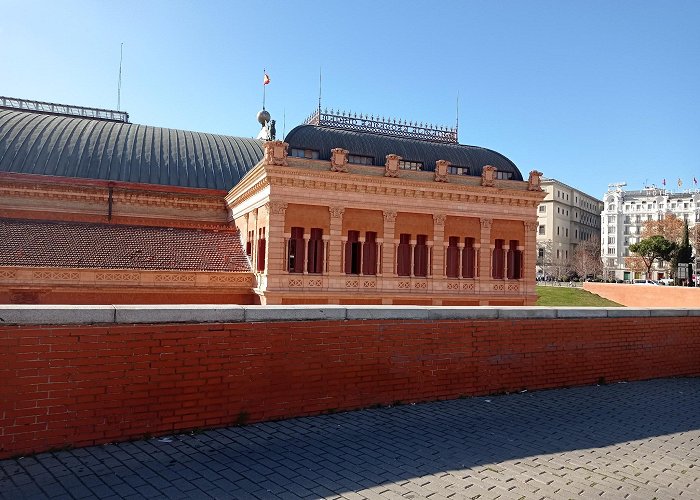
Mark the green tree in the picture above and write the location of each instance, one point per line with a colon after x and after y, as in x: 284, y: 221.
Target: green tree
x: 652, y: 249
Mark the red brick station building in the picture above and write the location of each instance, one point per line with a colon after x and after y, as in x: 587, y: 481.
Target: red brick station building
x: 346, y: 210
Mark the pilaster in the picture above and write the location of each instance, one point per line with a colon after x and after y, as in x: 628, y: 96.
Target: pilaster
x: 530, y: 257
x: 485, y: 249
x: 276, y: 250
x: 389, y: 247
x: 335, y: 244
x: 438, y: 263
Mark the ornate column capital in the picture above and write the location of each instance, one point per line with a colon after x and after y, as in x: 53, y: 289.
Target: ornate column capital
x: 531, y: 227
x: 439, y: 219
x: 336, y: 212
x: 276, y: 207
x: 486, y: 223
x: 389, y: 215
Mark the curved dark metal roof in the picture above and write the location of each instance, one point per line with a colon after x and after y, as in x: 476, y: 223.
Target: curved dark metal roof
x: 323, y: 139
x: 35, y: 143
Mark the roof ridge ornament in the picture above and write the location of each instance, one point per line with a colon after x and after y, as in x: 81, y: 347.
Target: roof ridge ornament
x: 383, y: 126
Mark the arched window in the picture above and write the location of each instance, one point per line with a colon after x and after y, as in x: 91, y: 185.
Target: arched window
x: 403, y: 255
x: 295, y: 251
x: 468, y: 258
x: 497, y: 265
x: 315, y: 260
x: 452, y: 257
x: 369, y: 254
x: 353, y: 256
x: 261, y: 250
x: 515, y: 261
x: 420, y: 256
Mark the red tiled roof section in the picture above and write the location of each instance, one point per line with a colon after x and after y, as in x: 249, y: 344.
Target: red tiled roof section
x: 28, y: 243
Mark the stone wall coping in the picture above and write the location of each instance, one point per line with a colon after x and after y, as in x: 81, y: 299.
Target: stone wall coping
x: 134, y: 314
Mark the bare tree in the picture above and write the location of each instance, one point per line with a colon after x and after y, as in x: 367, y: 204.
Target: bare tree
x: 586, y: 259
x: 670, y: 227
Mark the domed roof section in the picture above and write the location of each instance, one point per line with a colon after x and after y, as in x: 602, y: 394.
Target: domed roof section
x: 65, y: 146
x: 376, y: 146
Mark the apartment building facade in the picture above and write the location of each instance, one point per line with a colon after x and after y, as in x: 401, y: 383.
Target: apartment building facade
x: 624, y: 215
x: 566, y: 218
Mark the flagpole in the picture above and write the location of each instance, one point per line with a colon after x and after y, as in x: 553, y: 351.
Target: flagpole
x: 264, y: 73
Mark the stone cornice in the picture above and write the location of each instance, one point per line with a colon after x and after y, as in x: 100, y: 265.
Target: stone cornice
x: 100, y: 195
x: 252, y: 183
x: 415, y: 189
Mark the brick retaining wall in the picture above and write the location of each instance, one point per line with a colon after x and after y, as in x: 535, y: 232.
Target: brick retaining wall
x: 82, y: 384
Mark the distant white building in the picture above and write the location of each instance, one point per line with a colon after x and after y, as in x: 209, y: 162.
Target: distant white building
x: 623, y: 218
x: 566, y: 217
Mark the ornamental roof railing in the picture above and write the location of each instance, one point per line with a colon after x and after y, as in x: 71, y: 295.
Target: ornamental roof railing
x: 64, y: 109
x: 395, y: 128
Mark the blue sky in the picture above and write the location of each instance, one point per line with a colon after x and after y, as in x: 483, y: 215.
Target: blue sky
x: 589, y: 93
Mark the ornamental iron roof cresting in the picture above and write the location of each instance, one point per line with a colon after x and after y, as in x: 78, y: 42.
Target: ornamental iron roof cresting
x: 376, y: 125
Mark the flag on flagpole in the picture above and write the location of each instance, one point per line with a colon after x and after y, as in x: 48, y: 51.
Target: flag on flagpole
x: 663, y: 182
x: 266, y: 79
x: 695, y: 181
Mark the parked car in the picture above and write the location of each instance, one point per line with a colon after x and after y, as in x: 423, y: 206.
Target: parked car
x: 646, y: 282
x: 666, y: 281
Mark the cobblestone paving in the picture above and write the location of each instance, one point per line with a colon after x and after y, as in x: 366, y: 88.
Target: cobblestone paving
x: 639, y: 441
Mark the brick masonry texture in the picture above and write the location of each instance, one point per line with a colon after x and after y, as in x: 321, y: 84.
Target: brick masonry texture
x: 31, y: 243
x: 79, y: 385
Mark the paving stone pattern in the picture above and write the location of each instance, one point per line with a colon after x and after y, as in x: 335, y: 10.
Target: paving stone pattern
x: 639, y: 441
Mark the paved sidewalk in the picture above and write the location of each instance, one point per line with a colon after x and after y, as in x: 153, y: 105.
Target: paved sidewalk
x: 639, y: 440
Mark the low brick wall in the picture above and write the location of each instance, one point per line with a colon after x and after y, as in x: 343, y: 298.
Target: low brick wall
x: 82, y: 376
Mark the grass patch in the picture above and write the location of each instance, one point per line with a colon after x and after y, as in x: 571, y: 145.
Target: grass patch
x: 572, y: 297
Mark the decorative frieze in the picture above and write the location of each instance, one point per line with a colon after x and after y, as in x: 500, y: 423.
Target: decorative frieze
x: 407, y: 188
x: 116, y: 276
x: 174, y: 278
x: 244, y: 280
x: 8, y: 274
x: 56, y: 275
